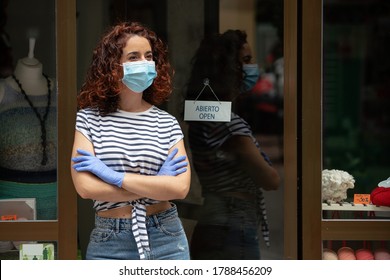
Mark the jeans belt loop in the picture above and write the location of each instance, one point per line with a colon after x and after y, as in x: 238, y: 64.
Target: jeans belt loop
x: 117, y: 225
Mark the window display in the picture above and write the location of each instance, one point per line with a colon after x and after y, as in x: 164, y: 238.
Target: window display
x: 28, y: 135
x: 356, y: 129
x: 28, y: 108
x: 34, y: 178
x: 356, y: 91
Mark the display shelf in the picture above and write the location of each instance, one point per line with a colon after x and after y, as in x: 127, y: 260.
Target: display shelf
x: 355, y: 230
x: 376, y: 227
x: 350, y: 206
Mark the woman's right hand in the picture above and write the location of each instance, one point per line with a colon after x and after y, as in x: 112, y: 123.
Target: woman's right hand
x: 86, y: 161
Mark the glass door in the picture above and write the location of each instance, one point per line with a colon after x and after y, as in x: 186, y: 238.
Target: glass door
x: 262, y: 109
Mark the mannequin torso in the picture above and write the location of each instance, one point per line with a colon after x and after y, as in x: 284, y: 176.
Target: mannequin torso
x: 28, y: 112
x: 29, y: 73
x: 30, y: 76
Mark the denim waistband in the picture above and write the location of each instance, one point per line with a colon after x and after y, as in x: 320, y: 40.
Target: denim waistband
x: 126, y: 223
x: 154, y: 220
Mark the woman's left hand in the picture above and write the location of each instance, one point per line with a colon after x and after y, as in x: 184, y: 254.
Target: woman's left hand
x: 173, y: 166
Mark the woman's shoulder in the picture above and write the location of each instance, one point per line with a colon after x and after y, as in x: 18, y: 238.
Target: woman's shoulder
x: 236, y: 126
x: 87, y: 114
x: 236, y: 120
x: 88, y: 111
x: 161, y: 113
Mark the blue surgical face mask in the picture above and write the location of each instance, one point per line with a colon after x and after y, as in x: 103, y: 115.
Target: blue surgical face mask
x: 251, y: 76
x: 139, y: 75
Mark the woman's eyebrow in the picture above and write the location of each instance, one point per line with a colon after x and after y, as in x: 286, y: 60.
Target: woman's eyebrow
x: 137, y: 53
x: 247, y: 57
x: 132, y: 53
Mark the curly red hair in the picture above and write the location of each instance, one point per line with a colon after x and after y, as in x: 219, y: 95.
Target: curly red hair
x: 101, y: 87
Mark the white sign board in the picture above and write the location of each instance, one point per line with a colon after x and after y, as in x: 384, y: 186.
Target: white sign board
x: 207, y: 111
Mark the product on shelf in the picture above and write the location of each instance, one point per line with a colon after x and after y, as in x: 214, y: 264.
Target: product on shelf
x: 346, y: 253
x: 335, y: 184
x: 381, y: 194
x: 381, y: 254
x: 364, y: 254
x: 329, y: 254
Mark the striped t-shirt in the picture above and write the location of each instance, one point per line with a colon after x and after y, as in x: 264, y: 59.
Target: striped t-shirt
x: 220, y: 171
x: 130, y: 142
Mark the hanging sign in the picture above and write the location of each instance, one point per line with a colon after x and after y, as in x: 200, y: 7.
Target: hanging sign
x: 207, y: 111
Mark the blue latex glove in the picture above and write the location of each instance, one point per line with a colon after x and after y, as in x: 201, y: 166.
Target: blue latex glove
x: 173, y: 166
x: 90, y: 163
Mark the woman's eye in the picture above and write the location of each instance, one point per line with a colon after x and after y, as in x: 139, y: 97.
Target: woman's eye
x: 247, y: 59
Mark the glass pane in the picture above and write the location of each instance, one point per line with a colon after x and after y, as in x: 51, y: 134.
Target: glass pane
x: 356, y: 125
x: 245, y: 219
x: 183, y: 31
x: 28, y: 110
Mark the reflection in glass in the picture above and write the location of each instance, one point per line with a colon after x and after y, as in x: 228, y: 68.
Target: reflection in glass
x: 28, y: 110
x: 232, y: 168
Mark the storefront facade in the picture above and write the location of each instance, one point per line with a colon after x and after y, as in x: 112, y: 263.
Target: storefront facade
x: 335, y: 95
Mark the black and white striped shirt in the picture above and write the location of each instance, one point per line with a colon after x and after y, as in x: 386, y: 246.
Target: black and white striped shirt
x: 133, y: 143
x: 220, y: 171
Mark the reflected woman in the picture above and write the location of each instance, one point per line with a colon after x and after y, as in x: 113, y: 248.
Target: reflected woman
x: 232, y: 169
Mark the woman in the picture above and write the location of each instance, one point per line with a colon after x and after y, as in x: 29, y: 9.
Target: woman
x: 232, y: 169
x: 122, y: 141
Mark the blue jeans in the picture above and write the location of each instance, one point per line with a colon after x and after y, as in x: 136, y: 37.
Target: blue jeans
x: 112, y: 238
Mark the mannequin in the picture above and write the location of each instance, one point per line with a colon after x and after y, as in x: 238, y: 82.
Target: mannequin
x: 28, y: 135
x: 28, y: 71
x: 27, y: 100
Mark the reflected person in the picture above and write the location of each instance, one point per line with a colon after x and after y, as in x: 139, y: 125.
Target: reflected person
x: 232, y: 169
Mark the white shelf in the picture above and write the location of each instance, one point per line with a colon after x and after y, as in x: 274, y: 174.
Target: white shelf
x: 349, y: 206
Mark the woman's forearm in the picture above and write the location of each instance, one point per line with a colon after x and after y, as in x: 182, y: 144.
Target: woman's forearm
x: 158, y: 187
x: 89, y: 186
